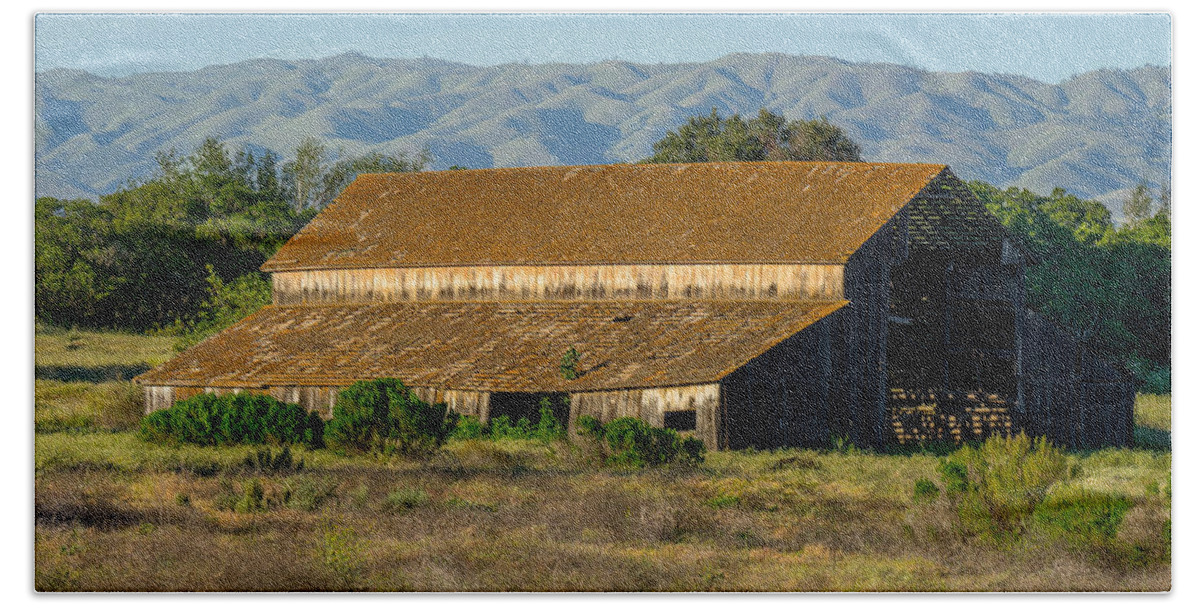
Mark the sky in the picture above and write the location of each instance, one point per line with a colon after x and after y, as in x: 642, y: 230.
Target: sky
x: 1048, y: 46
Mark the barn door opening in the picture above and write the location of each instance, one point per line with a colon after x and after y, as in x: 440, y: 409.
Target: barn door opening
x: 528, y: 406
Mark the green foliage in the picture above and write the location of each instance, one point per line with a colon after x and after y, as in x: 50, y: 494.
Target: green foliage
x: 1084, y: 516
x: 384, y: 416
x: 767, y: 136
x: 207, y: 419
x: 263, y: 461
x: 227, y: 304
x: 546, y: 429
x: 404, y: 499
x: 1109, y: 286
x: 469, y: 427
x: 316, y: 177
x: 569, y: 364
x: 1139, y: 204
x: 925, y: 490
x: 631, y: 443
x: 140, y: 258
x: 997, y: 486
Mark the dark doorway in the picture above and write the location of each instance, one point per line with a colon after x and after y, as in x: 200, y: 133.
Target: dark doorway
x: 528, y: 406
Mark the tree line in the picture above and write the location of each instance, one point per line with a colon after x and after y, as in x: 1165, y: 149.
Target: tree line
x: 180, y: 250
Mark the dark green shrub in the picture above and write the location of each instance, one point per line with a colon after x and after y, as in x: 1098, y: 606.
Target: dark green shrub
x: 548, y: 426
x: 568, y: 366
x: 384, y: 416
x: 632, y: 443
x: 244, y: 418
x: 693, y: 451
x: 502, y: 427
x: 954, y: 475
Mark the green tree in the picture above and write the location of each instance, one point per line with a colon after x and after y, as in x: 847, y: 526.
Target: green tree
x: 1138, y: 205
x: 767, y: 136
x: 227, y: 303
x: 303, y: 176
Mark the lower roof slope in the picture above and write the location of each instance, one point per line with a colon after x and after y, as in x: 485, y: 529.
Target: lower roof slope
x: 491, y: 346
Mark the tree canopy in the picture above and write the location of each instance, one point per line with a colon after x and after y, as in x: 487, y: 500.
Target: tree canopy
x: 767, y: 136
x: 175, y: 249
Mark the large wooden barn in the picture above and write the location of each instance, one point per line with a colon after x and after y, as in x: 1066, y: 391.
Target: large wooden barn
x: 754, y: 304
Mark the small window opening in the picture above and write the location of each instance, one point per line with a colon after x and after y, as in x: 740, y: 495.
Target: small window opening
x: 680, y: 421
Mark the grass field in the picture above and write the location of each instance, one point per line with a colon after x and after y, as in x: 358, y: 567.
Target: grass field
x: 116, y: 513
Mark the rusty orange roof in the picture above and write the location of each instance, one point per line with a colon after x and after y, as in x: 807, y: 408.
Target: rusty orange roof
x: 493, y: 346
x: 672, y: 213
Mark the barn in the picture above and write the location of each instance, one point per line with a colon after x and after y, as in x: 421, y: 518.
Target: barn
x: 753, y: 304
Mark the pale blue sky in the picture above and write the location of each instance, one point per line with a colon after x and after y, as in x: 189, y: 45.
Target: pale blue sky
x: 1049, y: 47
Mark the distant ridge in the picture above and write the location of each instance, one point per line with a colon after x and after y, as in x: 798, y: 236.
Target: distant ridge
x: 1096, y: 134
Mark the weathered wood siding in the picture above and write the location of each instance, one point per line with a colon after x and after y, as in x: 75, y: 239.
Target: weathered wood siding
x: 860, y: 338
x: 782, y: 397
x: 598, y: 282
x: 649, y: 404
x: 1069, y: 394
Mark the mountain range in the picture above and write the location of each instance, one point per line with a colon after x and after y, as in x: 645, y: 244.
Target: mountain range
x: 1096, y: 134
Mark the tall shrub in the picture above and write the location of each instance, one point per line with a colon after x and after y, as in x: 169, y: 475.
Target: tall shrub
x: 997, y: 486
x: 384, y: 416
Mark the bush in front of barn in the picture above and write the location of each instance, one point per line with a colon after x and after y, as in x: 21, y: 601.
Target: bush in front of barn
x: 242, y: 418
x: 632, y: 443
x: 384, y: 416
x: 546, y: 429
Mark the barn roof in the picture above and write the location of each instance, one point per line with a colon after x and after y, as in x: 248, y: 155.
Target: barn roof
x: 672, y: 213
x: 493, y: 346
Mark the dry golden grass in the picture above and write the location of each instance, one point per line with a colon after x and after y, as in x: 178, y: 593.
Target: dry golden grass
x: 117, y: 514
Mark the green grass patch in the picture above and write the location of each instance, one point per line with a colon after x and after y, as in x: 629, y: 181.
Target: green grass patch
x: 54, y: 347
x: 85, y: 406
x: 1152, y: 422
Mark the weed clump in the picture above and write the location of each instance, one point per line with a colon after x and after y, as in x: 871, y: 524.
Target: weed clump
x: 241, y: 418
x: 308, y: 494
x: 341, y: 551
x: 264, y: 461
x: 632, y: 443
x: 404, y: 499
x: 253, y: 498
x: 384, y: 416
